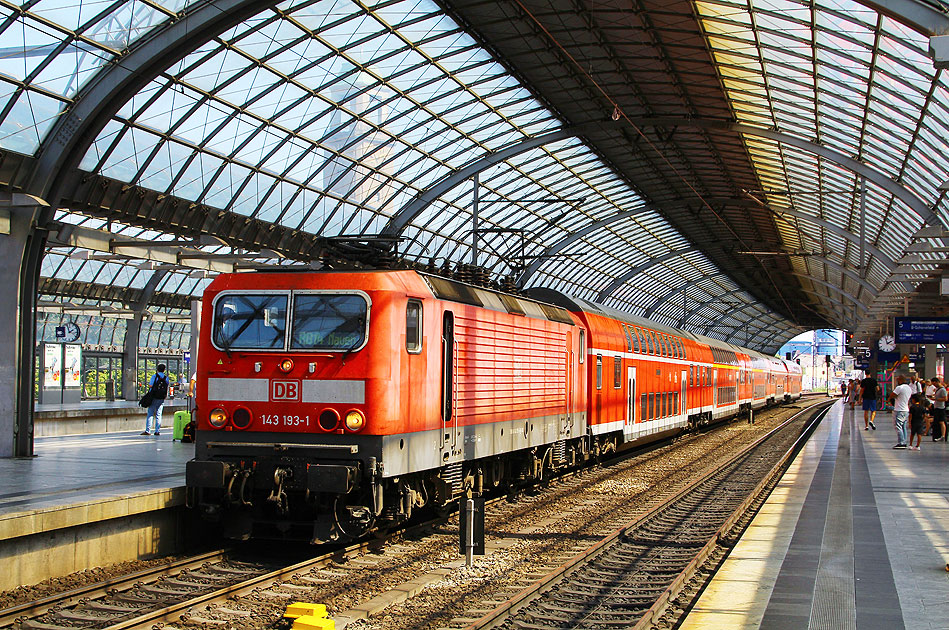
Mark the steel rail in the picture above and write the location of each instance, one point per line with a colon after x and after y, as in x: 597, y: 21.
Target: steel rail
x: 511, y: 606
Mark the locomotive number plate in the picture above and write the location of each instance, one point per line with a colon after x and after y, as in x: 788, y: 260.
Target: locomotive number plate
x: 276, y: 420
x: 285, y: 390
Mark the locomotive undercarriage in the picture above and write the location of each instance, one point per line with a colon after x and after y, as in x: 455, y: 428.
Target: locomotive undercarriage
x: 341, y: 500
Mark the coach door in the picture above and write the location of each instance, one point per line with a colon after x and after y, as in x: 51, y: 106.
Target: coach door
x: 630, y: 399
x: 714, y: 389
x: 448, y: 435
x: 683, y: 395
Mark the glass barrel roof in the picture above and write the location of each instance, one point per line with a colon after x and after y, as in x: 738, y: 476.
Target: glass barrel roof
x: 50, y: 48
x: 329, y: 117
x: 839, y: 74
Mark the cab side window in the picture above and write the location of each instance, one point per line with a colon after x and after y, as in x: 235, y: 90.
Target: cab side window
x: 413, y: 327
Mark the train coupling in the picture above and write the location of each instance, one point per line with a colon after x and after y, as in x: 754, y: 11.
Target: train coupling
x: 278, y: 496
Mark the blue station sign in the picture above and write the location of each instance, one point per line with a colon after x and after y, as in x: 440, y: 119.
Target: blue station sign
x: 922, y: 330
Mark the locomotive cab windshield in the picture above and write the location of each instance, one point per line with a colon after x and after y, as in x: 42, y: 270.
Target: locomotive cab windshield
x: 320, y: 322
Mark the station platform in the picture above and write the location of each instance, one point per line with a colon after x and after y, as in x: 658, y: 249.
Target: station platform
x: 88, y: 500
x: 855, y: 536
x: 96, y: 416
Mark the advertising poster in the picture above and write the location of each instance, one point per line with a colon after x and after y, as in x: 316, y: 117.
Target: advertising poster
x: 72, y: 365
x: 53, y: 353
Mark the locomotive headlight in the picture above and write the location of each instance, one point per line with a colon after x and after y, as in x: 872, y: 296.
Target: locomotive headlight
x: 286, y: 365
x: 218, y: 418
x: 355, y: 420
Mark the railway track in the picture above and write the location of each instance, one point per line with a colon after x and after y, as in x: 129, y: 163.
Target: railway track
x: 222, y: 587
x: 161, y: 594
x: 628, y: 579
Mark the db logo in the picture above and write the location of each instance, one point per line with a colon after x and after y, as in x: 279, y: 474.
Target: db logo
x: 285, y: 390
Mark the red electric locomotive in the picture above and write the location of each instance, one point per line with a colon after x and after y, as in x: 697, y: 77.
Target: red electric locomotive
x: 333, y: 403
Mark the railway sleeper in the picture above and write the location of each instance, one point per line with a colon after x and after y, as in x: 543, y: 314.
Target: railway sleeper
x: 78, y: 615
x: 109, y: 607
x: 646, y: 590
x: 633, y: 600
x: 31, y: 624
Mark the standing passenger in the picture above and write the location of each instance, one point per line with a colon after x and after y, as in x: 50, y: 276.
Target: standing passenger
x: 917, y: 409
x: 939, y: 409
x: 868, y: 394
x: 900, y: 398
x: 158, y: 386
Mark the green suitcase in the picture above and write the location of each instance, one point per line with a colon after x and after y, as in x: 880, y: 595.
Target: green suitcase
x: 181, y: 419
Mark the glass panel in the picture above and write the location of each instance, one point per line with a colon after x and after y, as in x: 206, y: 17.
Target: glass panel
x: 250, y: 322
x: 328, y: 322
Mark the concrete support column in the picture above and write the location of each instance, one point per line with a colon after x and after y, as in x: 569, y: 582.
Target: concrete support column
x: 21, y: 254
x: 134, y: 333
x: 929, y: 367
x: 130, y: 358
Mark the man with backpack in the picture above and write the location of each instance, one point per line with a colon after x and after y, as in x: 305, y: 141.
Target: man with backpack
x: 158, y: 388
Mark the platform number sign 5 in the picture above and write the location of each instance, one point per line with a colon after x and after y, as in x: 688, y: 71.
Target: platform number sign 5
x: 285, y: 390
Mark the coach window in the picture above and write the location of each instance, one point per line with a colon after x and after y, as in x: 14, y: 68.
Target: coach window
x: 413, y: 326
x: 635, y: 340
x: 629, y: 343
x: 652, y: 406
x: 599, y: 371
x: 617, y: 370
x: 583, y: 346
x: 644, y: 415
x: 649, y: 340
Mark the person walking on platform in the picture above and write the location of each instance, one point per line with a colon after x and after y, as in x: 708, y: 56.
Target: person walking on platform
x: 939, y: 409
x: 900, y: 399
x: 917, y: 421
x: 158, y: 388
x: 868, y: 395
